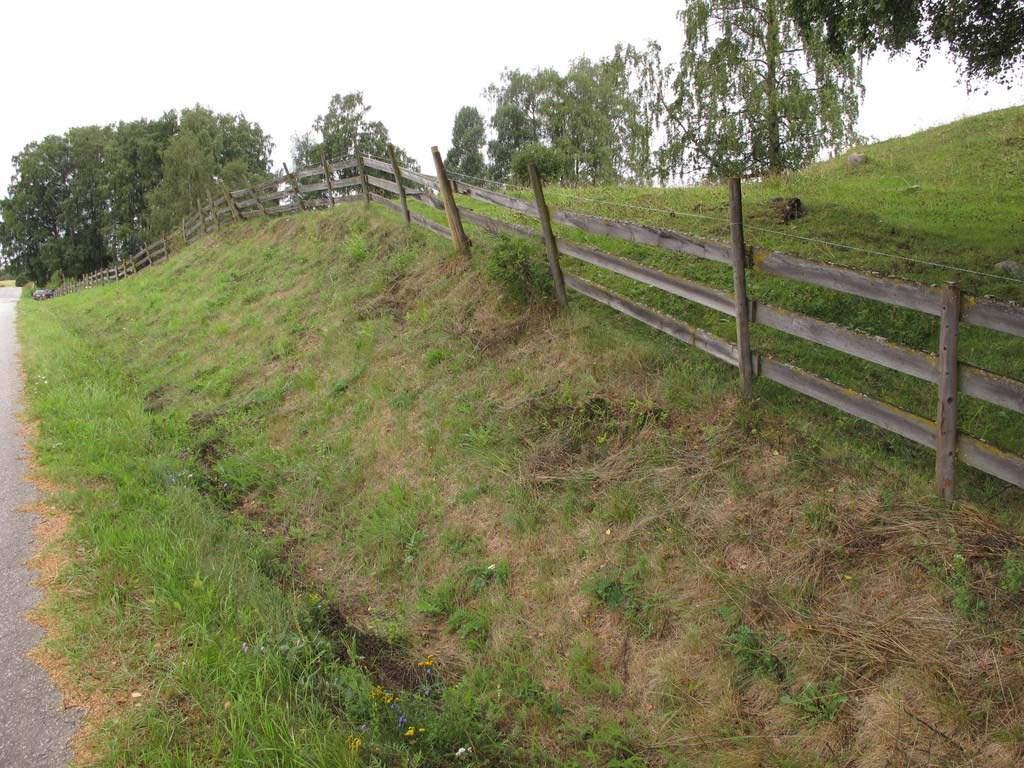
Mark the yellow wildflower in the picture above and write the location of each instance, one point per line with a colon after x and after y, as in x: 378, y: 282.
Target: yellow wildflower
x: 410, y: 731
x: 354, y: 743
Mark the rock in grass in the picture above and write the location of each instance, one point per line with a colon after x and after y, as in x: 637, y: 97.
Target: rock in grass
x: 856, y: 158
x: 1011, y: 268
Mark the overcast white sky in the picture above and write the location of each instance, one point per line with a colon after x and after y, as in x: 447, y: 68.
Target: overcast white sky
x: 80, y: 63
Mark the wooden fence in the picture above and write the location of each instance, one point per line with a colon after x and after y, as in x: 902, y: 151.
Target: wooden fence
x: 370, y: 179
x: 152, y: 254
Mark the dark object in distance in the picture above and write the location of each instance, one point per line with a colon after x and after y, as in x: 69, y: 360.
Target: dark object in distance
x: 787, y: 208
x: 42, y: 293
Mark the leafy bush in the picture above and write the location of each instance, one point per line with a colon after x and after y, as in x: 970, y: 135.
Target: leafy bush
x: 1013, y: 574
x: 551, y: 164
x: 518, y: 266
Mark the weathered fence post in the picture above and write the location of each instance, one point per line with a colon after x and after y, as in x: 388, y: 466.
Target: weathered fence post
x: 293, y: 182
x: 550, y: 244
x: 213, y: 209
x: 328, y: 172
x: 235, y: 215
x: 362, y: 177
x: 454, y: 219
x: 397, y: 173
x: 739, y: 283
x: 945, y: 434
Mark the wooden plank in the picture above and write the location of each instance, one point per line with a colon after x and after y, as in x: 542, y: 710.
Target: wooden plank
x: 259, y: 203
x: 320, y: 186
x: 343, y: 163
x: 550, y: 244
x: 347, y: 181
x: 416, y: 177
x: 686, y: 289
x: 433, y: 226
x: 377, y: 165
x: 993, y: 314
x: 498, y: 227
x: 739, y: 286
x: 945, y: 449
x: 309, y: 170
x: 920, y: 431
x: 991, y: 460
x: 642, y: 234
x: 992, y: 388
x: 874, y: 349
x: 388, y: 202
x: 387, y: 186
x: 496, y: 198
x: 280, y: 194
x: 900, y: 293
x: 697, y: 337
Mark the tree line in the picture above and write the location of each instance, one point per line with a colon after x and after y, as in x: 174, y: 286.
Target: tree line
x: 96, y: 194
x: 759, y: 87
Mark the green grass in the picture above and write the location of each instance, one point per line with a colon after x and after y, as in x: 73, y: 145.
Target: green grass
x: 318, y: 466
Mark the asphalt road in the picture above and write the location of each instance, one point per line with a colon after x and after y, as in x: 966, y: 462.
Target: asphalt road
x: 34, y: 726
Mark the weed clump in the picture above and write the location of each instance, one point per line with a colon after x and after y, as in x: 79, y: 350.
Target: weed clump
x: 517, y: 266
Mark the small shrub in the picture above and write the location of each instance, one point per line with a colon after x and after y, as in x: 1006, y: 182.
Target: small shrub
x: 434, y: 357
x: 623, y: 592
x: 965, y: 601
x: 751, y: 655
x: 817, y: 704
x: 472, y: 626
x: 517, y: 266
x: 1012, y: 581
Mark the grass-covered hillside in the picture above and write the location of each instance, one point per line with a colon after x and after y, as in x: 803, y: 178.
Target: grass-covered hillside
x: 337, y: 498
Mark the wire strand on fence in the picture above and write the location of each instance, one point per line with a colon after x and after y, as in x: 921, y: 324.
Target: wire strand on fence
x: 804, y: 238
x: 886, y: 254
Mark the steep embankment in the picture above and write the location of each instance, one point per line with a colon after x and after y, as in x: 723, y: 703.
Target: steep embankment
x: 318, y: 455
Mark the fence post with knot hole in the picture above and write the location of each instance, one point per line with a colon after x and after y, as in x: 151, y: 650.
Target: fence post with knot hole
x: 550, y: 244
x: 739, y: 283
x: 945, y: 433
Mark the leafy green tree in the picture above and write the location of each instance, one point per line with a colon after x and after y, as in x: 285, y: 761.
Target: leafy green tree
x: 599, y: 118
x: 79, y: 201
x: 135, y: 165
x: 33, y: 227
x: 755, y: 93
x: 551, y: 163
x: 468, y: 138
x: 986, y: 37
x: 207, y: 149
x: 516, y: 120
x: 344, y: 131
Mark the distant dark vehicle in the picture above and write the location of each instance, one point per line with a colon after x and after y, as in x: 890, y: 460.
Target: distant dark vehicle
x: 42, y: 293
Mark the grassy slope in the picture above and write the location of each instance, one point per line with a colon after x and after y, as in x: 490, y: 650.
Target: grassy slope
x: 322, y: 428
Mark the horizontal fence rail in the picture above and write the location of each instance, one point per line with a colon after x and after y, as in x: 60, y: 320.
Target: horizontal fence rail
x: 383, y: 181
